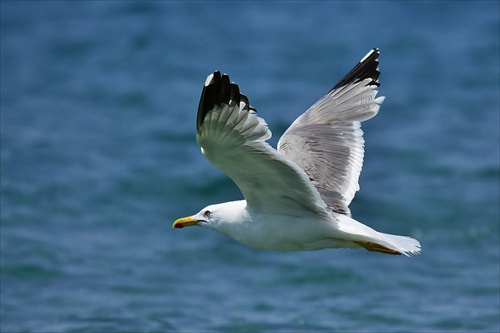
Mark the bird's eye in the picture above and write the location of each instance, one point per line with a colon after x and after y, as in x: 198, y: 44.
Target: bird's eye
x: 207, y: 213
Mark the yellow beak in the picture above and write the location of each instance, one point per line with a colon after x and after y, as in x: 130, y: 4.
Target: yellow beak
x: 184, y: 222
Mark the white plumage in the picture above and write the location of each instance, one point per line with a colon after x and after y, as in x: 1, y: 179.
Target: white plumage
x: 296, y: 197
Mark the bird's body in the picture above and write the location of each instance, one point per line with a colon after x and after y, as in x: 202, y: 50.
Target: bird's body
x: 274, y: 231
x: 309, y: 232
x: 296, y: 197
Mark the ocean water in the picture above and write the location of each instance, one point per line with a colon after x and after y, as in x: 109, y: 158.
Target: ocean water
x: 98, y: 158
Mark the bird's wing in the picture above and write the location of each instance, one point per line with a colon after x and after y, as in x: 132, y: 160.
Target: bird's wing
x: 327, y: 141
x: 233, y: 138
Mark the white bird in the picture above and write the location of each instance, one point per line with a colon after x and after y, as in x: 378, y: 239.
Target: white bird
x: 296, y: 197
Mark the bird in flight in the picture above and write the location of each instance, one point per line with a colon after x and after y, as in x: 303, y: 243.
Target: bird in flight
x: 296, y: 197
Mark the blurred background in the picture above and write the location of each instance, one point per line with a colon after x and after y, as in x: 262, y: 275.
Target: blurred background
x: 98, y: 158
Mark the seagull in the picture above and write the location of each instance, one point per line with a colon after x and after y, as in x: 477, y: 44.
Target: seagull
x: 296, y: 197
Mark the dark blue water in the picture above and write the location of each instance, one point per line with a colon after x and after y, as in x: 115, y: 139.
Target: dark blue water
x: 98, y: 157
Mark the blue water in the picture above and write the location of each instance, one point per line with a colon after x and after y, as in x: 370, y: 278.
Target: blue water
x: 98, y: 157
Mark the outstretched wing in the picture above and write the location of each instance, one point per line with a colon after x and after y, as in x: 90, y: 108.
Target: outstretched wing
x: 327, y: 141
x: 232, y: 137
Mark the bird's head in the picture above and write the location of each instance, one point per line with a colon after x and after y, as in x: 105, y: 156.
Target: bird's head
x: 214, y: 215
x: 203, y: 218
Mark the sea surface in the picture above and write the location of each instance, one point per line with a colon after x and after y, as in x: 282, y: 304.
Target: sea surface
x: 98, y: 158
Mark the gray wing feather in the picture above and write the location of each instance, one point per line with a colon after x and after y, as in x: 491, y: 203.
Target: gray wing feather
x: 327, y: 141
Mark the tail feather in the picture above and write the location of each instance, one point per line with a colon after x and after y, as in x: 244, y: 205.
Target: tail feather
x: 372, y: 240
x: 406, y: 245
x: 392, y: 244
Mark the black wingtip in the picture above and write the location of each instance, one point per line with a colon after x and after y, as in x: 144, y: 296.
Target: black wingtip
x: 366, y: 68
x: 217, y: 90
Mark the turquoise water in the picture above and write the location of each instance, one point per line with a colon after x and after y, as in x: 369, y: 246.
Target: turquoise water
x: 98, y: 157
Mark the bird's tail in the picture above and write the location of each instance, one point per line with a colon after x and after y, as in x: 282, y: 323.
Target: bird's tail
x: 372, y: 240
x: 392, y: 244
